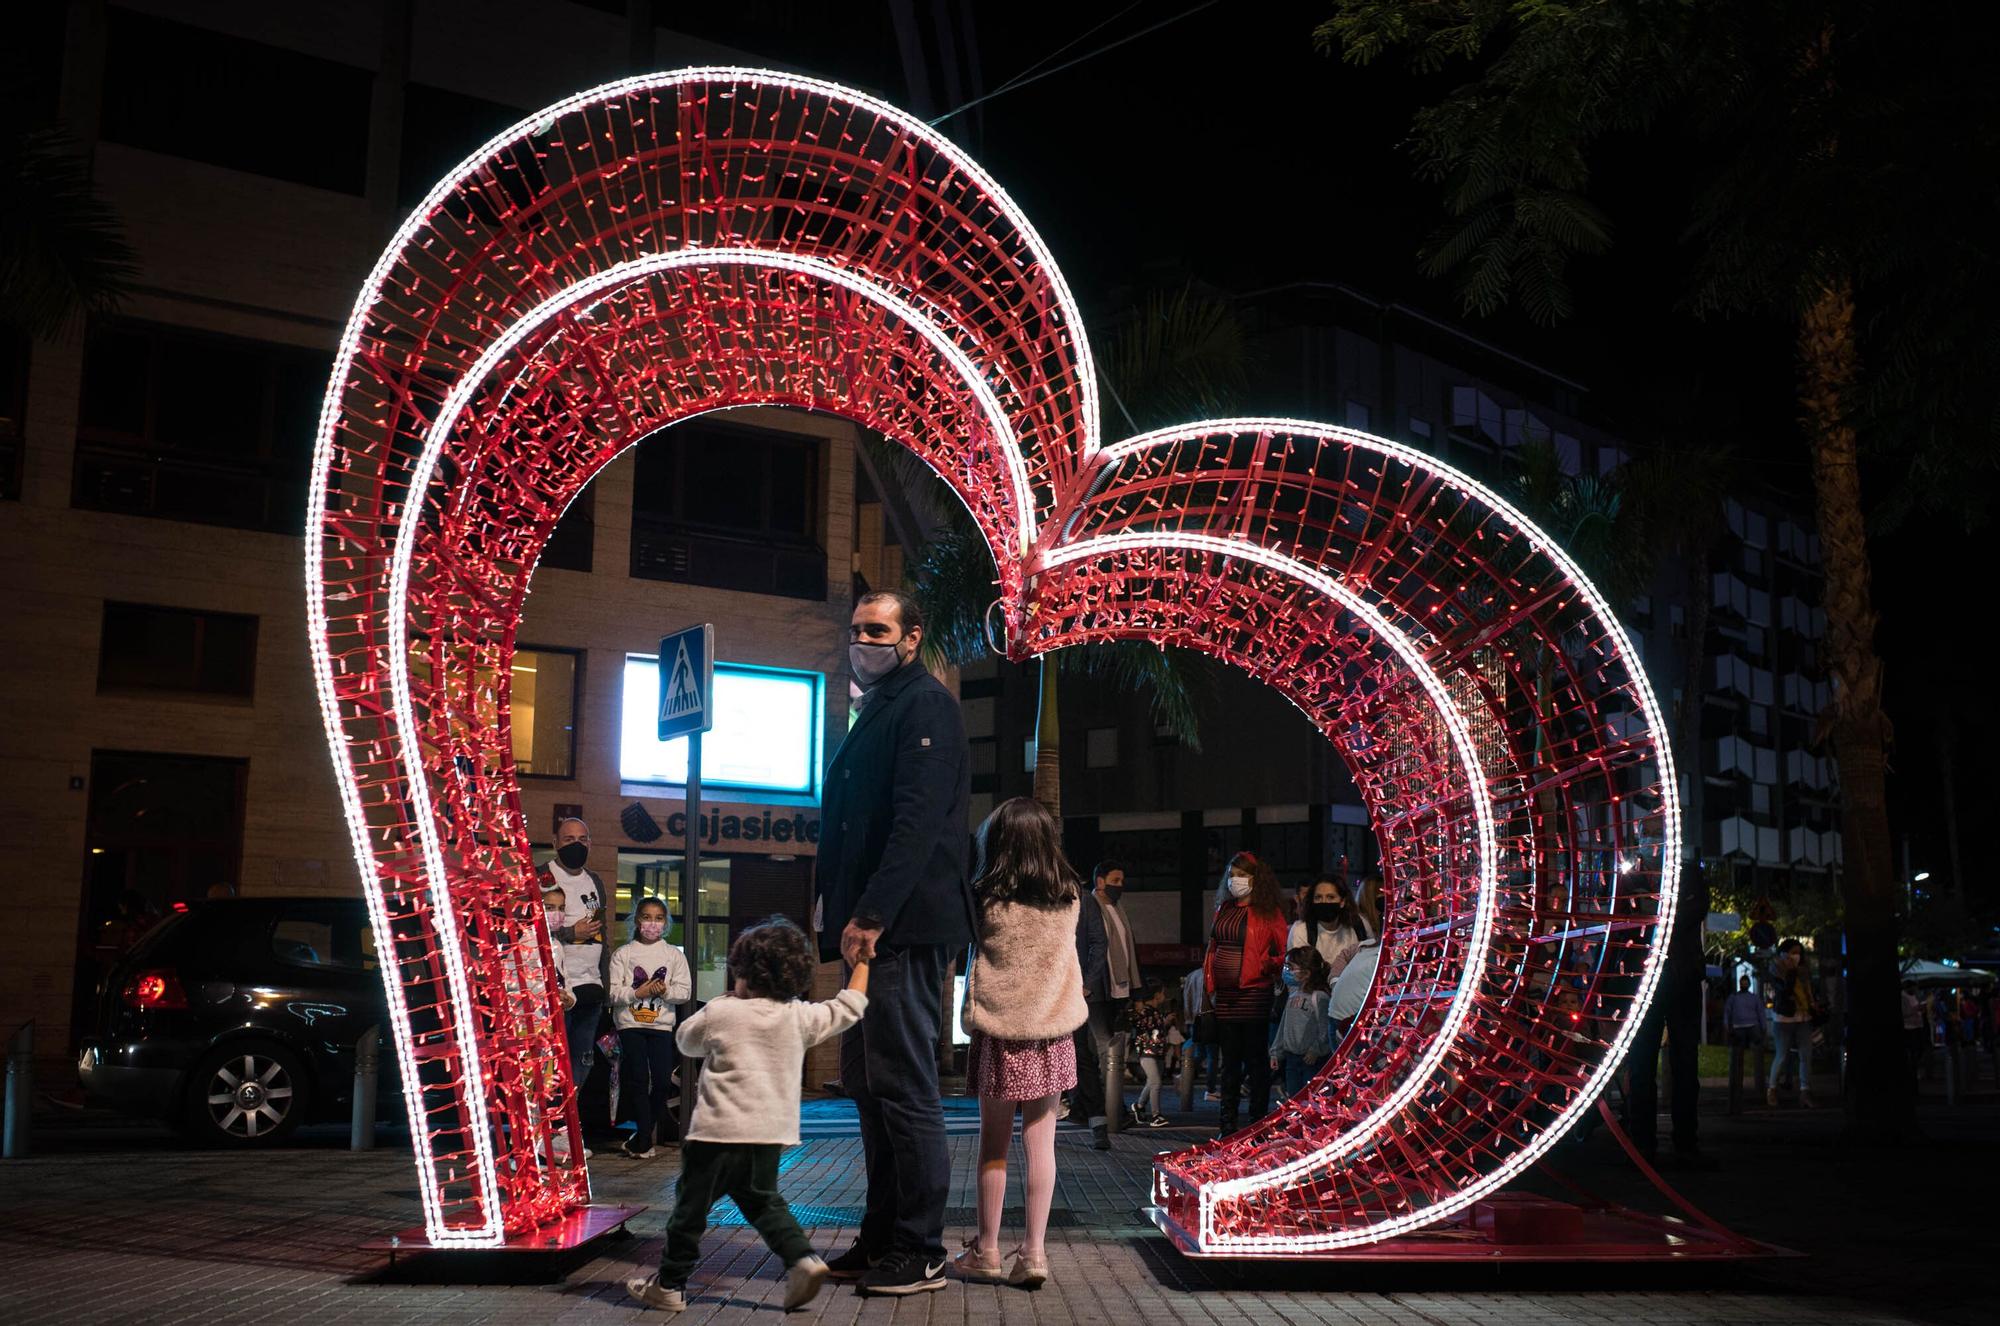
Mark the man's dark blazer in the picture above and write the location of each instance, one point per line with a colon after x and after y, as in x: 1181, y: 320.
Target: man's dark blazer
x: 1093, y: 947
x: 893, y: 843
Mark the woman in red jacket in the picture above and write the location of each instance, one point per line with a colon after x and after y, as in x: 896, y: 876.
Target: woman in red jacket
x: 1246, y: 953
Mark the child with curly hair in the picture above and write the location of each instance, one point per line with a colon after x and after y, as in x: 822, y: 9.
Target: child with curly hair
x: 746, y: 1110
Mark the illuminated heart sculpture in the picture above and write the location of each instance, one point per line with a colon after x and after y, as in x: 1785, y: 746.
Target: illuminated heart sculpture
x: 687, y: 242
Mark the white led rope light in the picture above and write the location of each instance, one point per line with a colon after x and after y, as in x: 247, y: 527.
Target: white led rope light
x: 1593, y: 1084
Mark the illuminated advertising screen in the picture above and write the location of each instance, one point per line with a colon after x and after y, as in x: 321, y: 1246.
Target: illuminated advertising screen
x: 765, y: 738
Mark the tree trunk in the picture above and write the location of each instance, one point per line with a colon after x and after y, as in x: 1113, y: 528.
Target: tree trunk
x: 1048, y: 744
x: 1879, y: 1103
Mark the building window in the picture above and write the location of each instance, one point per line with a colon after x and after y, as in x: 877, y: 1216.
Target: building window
x: 543, y: 703
x: 441, y: 129
x: 1419, y: 427
x: 147, y: 648
x: 1357, y: 415
x: 1100, y: 748
x: 731, y: 507
x: 205, y: 96
x: 196, y: 427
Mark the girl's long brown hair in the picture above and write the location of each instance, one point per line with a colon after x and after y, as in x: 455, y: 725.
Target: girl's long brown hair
x: 1266, y: 898
x: 1020, y: 858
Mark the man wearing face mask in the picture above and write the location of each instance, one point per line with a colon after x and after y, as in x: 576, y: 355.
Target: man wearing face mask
x: 1110, y: 964
x: 891, y: 880
x: 586, y: 961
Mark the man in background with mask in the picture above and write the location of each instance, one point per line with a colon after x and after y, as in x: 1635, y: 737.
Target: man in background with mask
x: 1110, y: 964
x: 891, y: 880
x: 585, y: 958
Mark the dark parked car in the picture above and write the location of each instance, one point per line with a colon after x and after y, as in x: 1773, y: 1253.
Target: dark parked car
x: 237, y: 1020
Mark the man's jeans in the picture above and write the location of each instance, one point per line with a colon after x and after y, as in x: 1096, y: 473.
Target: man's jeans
x: 1793, y: 1038
x: 580, y: 1030
x: 1098, y: 1050
x: 888, y: 1066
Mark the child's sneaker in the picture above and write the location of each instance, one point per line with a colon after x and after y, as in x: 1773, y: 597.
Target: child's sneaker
x: 656, y: 1295
x: 803, y: 1279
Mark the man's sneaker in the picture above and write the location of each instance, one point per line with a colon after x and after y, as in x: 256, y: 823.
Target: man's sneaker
x: 631, y: 1152
x: 856, y: 1262
x: 803, y: 1279
x: 656, y: 1295
x: 904, y: 1273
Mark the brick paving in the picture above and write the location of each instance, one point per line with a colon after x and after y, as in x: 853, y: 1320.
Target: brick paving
x: 117, y: 1224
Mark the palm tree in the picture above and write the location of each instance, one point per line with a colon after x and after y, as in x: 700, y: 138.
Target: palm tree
x: 1176, y: 356
x: 1832, y: 154
x: 63, y: 254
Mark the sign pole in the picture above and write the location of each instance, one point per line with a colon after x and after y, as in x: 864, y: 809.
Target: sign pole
x: 687, y: 709
x: 691, y: 912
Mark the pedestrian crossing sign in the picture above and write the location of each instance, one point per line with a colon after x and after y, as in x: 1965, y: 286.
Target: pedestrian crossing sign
x: 687, y: 681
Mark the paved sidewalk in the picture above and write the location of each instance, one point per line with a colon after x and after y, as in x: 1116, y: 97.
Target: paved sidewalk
x: 116, y: 1223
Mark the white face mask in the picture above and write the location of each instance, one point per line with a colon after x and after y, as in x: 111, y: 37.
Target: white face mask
x: 1239, y: 886
x: 869, y: 663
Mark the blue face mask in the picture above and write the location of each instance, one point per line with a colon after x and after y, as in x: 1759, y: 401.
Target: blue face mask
x: 1291, y: 978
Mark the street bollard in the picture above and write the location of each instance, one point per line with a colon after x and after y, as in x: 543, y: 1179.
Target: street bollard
x: 367, y: 1062
x: 20, y: 1093
x: 1114, y: 1083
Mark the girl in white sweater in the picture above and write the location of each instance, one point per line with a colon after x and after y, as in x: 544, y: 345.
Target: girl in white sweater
x: 649, y: 977
x: 1023, y: 998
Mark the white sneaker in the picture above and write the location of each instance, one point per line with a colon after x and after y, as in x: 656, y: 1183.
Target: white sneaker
x: 803, y: 1279
x: 627, y: 1151
x: 656, y: 1295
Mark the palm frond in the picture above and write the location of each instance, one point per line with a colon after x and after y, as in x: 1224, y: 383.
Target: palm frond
x: 955, y: 581
x: 1179, y: 356
x: 1175, y: 682
x: 63, y: 253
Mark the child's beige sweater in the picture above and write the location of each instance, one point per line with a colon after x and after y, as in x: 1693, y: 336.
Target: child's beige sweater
x: 756, y: 1050
x: 1026, y: 983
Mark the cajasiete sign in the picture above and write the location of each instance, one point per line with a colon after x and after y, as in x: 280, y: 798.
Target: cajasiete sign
x: 778, y: 830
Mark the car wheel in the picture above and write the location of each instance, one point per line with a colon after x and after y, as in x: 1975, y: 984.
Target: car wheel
x: 251, y: 1093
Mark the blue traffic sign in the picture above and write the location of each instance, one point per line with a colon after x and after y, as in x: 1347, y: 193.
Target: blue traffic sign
x: 687, y: 681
